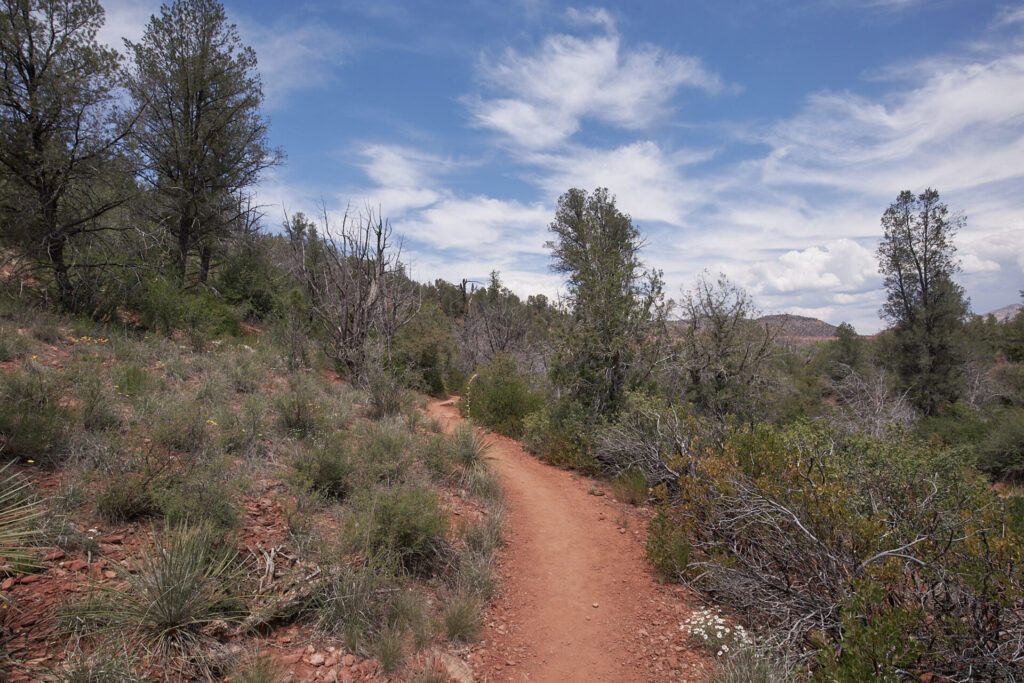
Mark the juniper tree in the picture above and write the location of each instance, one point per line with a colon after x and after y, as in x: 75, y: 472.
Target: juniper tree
x: 614, y: 305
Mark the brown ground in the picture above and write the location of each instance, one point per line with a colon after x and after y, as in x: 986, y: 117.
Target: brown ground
x: 578, y: 602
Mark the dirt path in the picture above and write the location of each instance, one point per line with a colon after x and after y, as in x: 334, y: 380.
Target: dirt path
x: 578, y: 601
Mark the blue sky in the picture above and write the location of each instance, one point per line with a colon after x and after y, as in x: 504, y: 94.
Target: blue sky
x: 762, y: 139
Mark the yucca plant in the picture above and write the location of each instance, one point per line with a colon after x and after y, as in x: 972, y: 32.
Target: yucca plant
x: 185, y: 583
x: 470, y: 447
x: 17, y: 512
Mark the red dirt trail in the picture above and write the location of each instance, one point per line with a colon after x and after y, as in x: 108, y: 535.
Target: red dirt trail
x: 578, y: 602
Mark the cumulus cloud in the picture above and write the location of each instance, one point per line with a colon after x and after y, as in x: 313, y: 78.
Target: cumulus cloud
x: 841, y: 266
x: 546, y: 96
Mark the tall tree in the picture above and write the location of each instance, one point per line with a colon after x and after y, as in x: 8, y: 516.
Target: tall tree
x: 202, y: 137
x: 614, y: 304
x: 926, y: 308
x: 58, y: 138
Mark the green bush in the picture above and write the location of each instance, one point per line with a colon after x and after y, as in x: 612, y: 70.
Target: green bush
x: 381, y: 451
x: 33, y: 423
x: 1001, y: 451
x: 469, y: 446
x: 166, y: 307
x: 501, y: 397
x: 462, y: 617
x: 205, y: 493
x: 385, y: 394
x: 131, y: 380
x: 327, y: 468
x: 668, y: 548
x: 407, y: 523
x: 126, y: 498
x: 180, y: 425
x: 355, y: 604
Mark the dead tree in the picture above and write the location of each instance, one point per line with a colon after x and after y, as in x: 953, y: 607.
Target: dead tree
x: 360, y: 295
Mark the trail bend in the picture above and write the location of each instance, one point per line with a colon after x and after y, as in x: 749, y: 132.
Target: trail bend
x: 578, y: 602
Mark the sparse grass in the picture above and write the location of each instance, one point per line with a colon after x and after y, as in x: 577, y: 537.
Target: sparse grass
x: 131, y: 380
x: 355, y: 604
x: 188, y: 579
x: 240, y: 432
x: 389, y: 648
x: 462, y: 617
x: 180, y: 425
x: 12, y: 343
x: 484, y: 484
x: 630, y: 487
x: 484, y: 536
x: 96, y: 408
x: 33, y: 423
x: 100, y: 667
x: 259, y: 668
x: 381, y: 450
x: 752, y: 665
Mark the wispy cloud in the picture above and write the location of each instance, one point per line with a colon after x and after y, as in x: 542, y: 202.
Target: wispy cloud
x: 548, y: 94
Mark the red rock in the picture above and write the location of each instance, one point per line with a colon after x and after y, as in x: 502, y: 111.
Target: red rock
x: 332, y: 660
x: 114, y: 539
x: 78, y: 565
x: 316, y: 659
x: 30, y: 578
x: 110, y: 574
x: 348, y: 660
x: 53, y: 556
x: 8, y: 584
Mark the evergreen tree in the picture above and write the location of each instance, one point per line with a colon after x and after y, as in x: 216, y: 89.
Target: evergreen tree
x: 925, y: 307
x: 614, y: 305
x: 202, y: 137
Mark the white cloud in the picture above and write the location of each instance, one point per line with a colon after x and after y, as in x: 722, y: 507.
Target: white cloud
x: 571, y: 79
x: 481, y: 225
x: 1010, y: 15
x: 841, y: 266
x: 126, y: 19
x: 647, y: 181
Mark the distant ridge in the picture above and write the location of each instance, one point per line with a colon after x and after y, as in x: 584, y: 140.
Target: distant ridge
x: 1006, y: 312
x: 798, y: 326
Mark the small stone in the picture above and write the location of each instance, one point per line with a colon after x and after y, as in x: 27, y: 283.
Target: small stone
x: 53, y: 556
x: 595, y: 605
x: 30, y: 578
x: 78, y: 565
x: 8, y: 584
x: 509, y: 662
x: 110, y: 573
x: 317, y: 659
x: 348, y: 660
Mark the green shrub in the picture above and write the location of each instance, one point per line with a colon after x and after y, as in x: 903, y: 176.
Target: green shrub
x: 19, y: 518
x: 381, y: 450
x: 299, y: 411
x: 668, y: 548
x: 95, y: 405
x: 483, y: 483
x: 206, y: 493
x: 327, y: 468
x: 127, y: 497
x: 1001, y: 451
x: 501, y: 397
x: 435, y: 452
x: 385, y: 394
x: 166, y: 307
x: 240, y: 432
x: 407, y: 523
x: 101, y: 667
x: 389, y: 648
x: 753, y: 665
x: 33, y: 423
x: 483, y: 537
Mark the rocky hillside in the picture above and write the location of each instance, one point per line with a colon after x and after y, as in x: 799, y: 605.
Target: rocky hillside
x: 799, y: 327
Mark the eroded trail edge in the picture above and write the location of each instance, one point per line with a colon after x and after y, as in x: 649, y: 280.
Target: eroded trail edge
x: 578, y: 602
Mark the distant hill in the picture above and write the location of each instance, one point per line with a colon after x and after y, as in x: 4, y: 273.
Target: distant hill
x: 1006, y: 312
x: 799, y: 326
x: 791, y: 327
